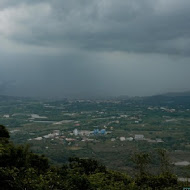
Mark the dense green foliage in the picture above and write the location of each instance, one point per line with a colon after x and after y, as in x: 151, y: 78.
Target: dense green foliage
x: 3, y: 132
x: 22, y: 169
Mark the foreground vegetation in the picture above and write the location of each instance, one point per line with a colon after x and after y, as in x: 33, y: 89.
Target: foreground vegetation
x: 22, y: 169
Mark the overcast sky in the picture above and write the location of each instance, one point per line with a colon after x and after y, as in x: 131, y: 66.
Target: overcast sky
x: 58, y: 48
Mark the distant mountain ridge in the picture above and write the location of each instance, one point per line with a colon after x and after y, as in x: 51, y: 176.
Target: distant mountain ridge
x: 168, y: 99
x: 121, y: 97
x: 173, y: 94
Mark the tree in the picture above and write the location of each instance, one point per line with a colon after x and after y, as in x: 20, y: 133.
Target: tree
x: 3, y: 132
x: 164, y: 161
x: 87, y: 166
x: 142, y: 160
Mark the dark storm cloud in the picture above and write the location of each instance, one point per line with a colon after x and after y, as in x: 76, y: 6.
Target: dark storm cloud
x: 97, y: 47
x: 100, y: 25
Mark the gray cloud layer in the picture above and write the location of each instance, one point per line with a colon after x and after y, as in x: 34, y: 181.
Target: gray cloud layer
x: 135, y: 26
x: 103, y: 47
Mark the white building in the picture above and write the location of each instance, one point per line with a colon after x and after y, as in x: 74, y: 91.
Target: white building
x: 38, y: 139
x: 122, y: 138
x: 159, y: 140
x: 139, y: 137
x: 6, y: 116
x: 49, y: 136
x: 56, y: 132
x: 75, y: 132
x: 129, y: 139
x: 182, y: 163
x: 85, y: 133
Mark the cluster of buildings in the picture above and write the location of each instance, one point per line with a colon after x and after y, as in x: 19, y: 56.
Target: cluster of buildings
x: 52, y: 135
x: 55, y: 134
x: 139, y: 137
x: 167, y: 109
x: 77, y: 132
x: 162, y: 108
